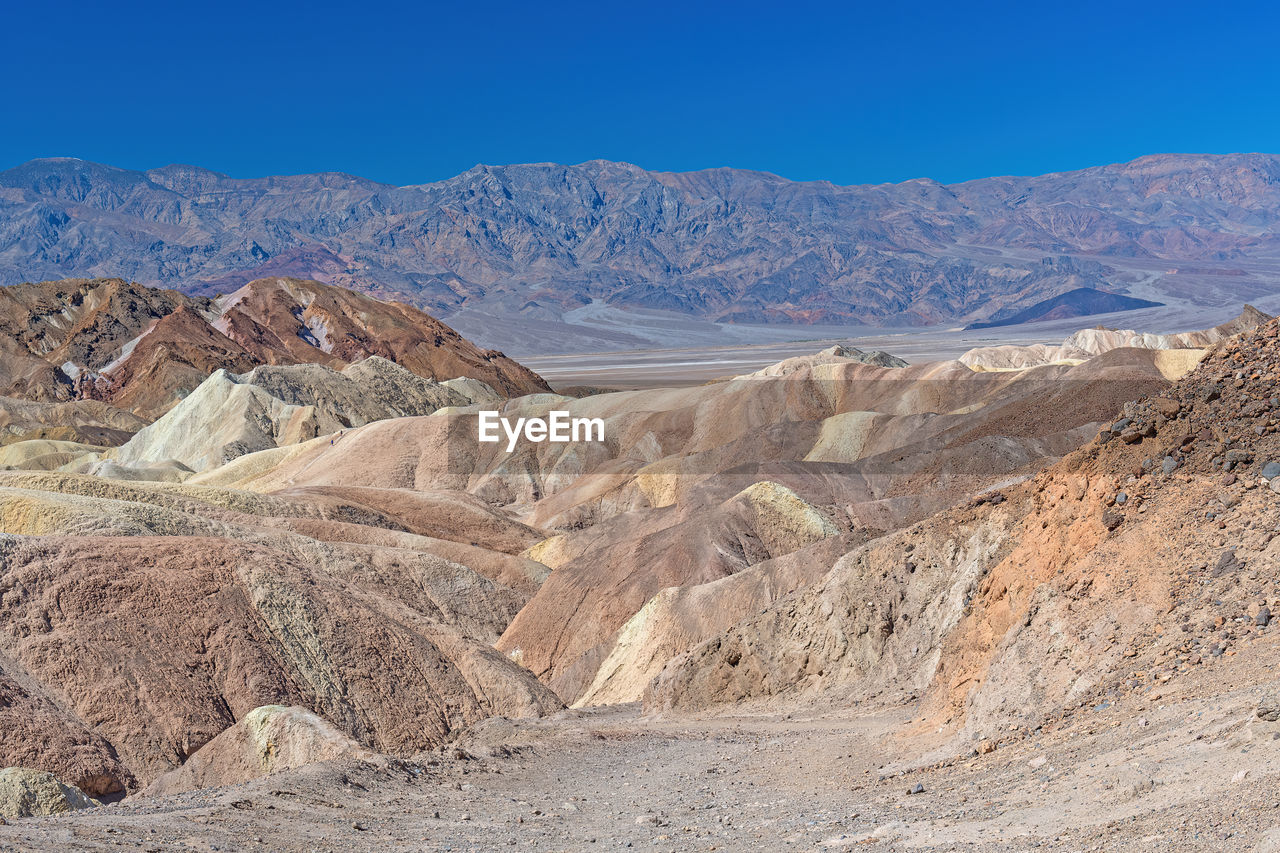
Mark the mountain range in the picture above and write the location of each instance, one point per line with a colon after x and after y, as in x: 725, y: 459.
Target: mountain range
x: 546, y: 243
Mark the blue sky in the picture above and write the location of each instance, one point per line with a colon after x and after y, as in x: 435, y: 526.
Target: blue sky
x: 853, y: 93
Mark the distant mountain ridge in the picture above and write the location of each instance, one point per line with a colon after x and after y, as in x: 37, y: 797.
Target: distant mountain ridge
x: 537, y: 241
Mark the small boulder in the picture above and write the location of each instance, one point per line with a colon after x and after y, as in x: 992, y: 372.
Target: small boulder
x: 1227, y: 562
x: 269, y: 739
x: 1237, y: 457
x: 34, y: 793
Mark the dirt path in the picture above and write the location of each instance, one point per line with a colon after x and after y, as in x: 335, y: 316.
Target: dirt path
x: 1166, y: 772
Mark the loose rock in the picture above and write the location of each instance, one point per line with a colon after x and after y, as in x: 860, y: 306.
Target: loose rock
x: 34, y: 793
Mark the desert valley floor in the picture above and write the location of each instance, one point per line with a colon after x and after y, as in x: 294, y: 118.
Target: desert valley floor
x: 691, y: 363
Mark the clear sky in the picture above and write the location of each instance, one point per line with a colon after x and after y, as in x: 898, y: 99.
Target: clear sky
x: 848, y: 92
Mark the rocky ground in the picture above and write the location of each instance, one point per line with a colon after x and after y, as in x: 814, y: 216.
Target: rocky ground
x: 1193, y: 768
